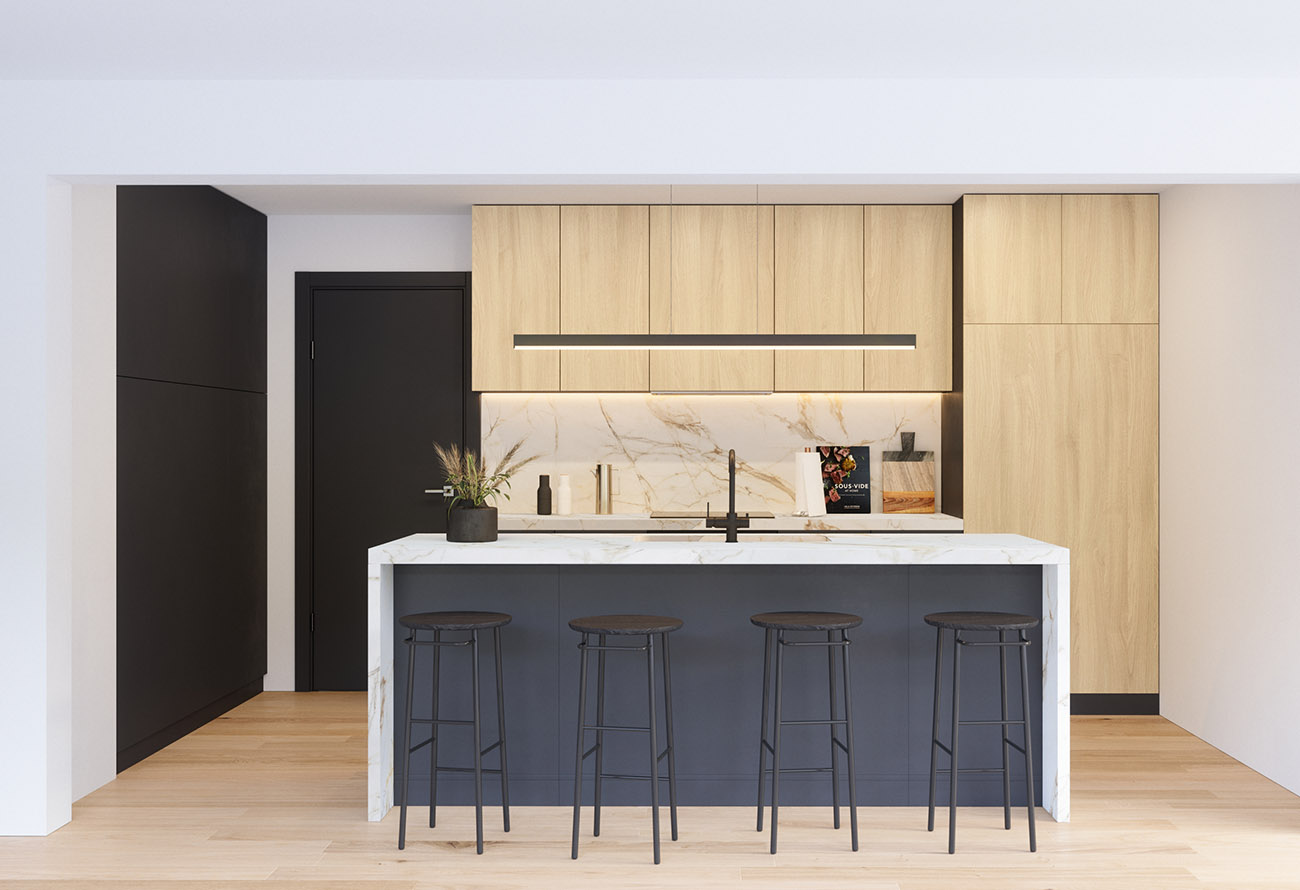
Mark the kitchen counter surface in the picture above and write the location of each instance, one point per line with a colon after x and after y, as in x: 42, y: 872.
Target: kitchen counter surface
x: 642, y: 522
x: 567, y: 559
x: 752, y: 549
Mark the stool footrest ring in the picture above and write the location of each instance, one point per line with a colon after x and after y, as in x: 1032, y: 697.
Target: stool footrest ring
x: 605, y: 727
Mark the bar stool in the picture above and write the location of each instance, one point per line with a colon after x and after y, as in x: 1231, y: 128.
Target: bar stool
x: 776, y: 625
x: 453, y: 622
x: 978, y: 622
x: 603, y: 626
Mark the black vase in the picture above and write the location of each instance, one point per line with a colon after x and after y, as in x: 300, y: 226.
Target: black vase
x: 543, y: 495
x: 472, y: 525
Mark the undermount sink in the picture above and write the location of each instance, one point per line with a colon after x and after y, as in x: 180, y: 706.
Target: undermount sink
x: 720, y: 537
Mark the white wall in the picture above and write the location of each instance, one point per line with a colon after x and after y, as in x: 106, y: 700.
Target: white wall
x: 93, y: 478
x: 1230, y: 469
x: 324, y: 244
x: 545, y: 131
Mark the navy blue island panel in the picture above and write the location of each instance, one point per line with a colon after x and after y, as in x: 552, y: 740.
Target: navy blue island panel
x: 717, y: 662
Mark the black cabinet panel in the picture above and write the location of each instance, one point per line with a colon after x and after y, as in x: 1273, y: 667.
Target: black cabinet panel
x: 191, y: 599
x: 191, y: 287
x: 717, y: 669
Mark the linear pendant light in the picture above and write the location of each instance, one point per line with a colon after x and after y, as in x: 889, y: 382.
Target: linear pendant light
x: 715, y: 341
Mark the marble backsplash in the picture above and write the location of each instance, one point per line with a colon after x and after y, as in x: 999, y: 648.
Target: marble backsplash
x: 670, y: 452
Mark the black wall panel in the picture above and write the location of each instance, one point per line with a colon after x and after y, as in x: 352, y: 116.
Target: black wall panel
x: 191, y: 280
x: 191, y: 598
x: 191, y: 465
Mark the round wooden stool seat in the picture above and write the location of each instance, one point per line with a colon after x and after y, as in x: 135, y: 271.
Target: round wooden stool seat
x: 981, y: 620
x: 806, y: 620
x: 455, y: 620
x: 626, y: 624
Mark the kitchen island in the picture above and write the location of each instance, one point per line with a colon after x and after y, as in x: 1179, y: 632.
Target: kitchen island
x: 891, y: 580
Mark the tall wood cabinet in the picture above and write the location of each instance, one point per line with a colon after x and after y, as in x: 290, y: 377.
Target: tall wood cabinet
x: 1060, y: 417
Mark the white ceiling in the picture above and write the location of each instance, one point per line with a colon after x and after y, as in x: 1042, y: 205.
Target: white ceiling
x: 429, y: 199
x: 434, y: 39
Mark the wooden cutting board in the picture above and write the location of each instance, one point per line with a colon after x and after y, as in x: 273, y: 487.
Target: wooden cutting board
x: 907, y: 479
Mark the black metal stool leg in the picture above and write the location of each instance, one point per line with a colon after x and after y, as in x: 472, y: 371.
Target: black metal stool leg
x: 762, y: 733
x: 956, y: 716
x: 1006, y: 730
x: 1029, y: 742
x: 478, y: 747
x: 668, y: 731
x: 577, y: 761
x: 835, y: 761
x: 406, y: 739
x: 776, y: 738
x: 501, y: 731
x: 934, y: 732
x: 848, y: 736
x: 600, y: 734
x: 433, y: 738
x: 654, y: 742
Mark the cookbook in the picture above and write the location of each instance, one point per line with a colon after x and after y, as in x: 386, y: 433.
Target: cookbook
x: 846, y: 478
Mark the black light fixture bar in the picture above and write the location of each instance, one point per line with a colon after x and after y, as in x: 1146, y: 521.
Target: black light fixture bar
x: 715, y: 341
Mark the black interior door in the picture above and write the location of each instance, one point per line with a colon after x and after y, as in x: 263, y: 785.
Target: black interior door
x: 387, y: 381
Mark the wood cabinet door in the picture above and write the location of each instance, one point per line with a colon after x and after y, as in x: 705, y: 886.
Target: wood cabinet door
x: 818, y: 290
x: 709, y: 275
x: 1061, y: 444
x: 1110, y: 259
x: 1108, y: 387
x: 1011, y: 264
x: 605, y: 289
x: 516, y: 290
x: 907, y: 261
x: 1014, y: 435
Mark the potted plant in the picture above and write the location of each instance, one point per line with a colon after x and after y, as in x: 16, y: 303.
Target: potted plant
x: 469, y: 517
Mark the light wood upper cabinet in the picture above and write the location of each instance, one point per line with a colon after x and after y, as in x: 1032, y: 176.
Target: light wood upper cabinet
x: 516, y: 290
x: 719, y: 280
x: 818, y: 290
x: 1011, y: 267
x: 1060, y: 444
x: 908, y: 290
x: 1110, y: 259
x: 605, y: 289
x: 725, y: 269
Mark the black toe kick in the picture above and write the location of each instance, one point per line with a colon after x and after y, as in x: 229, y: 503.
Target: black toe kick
x: 1114, y: 704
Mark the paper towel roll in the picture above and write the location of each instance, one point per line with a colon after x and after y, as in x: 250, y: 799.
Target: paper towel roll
x: 808, y: 497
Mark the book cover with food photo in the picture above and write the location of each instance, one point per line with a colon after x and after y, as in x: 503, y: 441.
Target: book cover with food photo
x: 846, y: 478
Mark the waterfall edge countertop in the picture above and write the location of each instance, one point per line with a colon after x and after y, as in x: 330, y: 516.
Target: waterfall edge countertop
x: 754, y: 549
x: 709, y: 549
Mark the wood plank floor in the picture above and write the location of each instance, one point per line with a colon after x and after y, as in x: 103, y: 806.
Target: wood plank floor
x: 272, y: 796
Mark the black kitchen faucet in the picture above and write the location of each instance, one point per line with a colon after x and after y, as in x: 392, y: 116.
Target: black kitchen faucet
x: 731, y: 522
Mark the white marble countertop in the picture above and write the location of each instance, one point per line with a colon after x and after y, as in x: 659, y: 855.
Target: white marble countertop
x: 753, y: 549
x: 633, y: 522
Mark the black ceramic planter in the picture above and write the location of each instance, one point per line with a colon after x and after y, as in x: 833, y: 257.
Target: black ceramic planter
x: 472, y: 525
